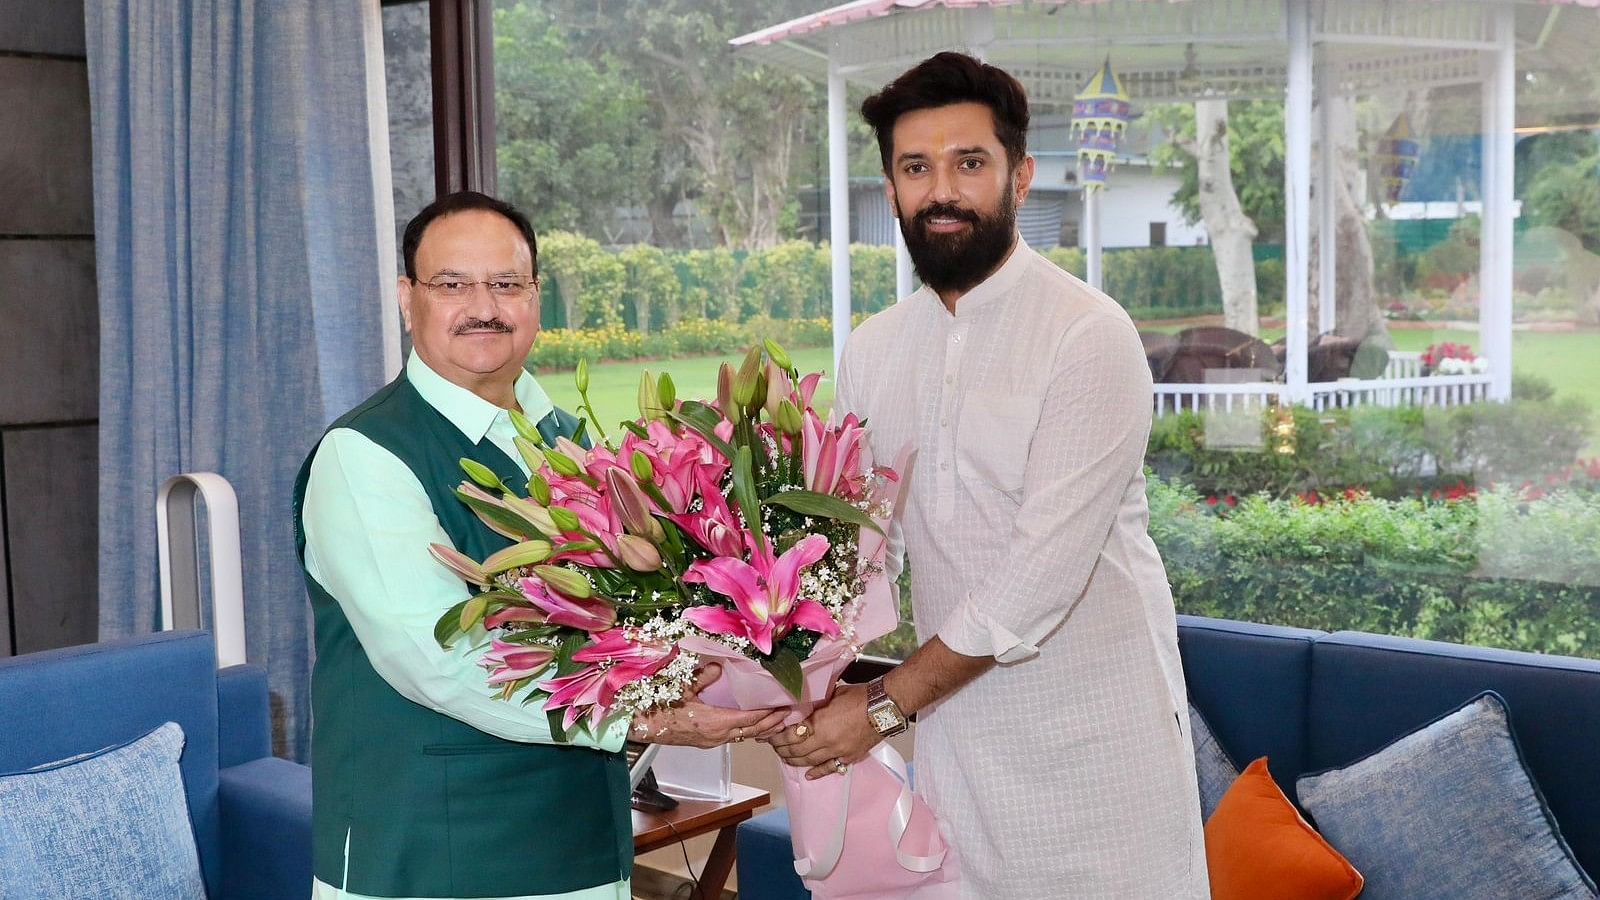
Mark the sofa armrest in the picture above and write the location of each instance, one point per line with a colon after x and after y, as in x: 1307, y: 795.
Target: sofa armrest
x: 266, y: 830
x: 244, y: 715
x: 766, y: 859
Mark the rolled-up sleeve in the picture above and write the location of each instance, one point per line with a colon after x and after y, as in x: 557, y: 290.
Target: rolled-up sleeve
x: 368, y: 524
x: 1082, y: 458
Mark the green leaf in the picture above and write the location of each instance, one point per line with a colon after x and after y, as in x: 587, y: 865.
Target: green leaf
x: 822, y: 506
x: 744, y: 490
x: 702, y: 420
x: 482, y: 474
x: 448, y: 628
x: 637, y: 430
x: 785, y: 667
x: 580, y: 434
x: 558, y: 732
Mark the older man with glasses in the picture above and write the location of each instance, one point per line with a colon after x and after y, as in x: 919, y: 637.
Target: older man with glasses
x: 423, y: 785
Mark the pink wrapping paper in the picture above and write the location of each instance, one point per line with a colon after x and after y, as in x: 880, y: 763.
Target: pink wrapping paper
x: 863, y: 834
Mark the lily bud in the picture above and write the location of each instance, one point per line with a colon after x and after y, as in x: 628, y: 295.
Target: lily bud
x: 778, y: 354
x: 666, y: 391
x: 527, y: 553
x: 632, y: 507
x: 725, y: 389
x: 642, y: 468
x: 779, y: 389
x: 565, y: 519
x: 459, y: 563
x: 649, y: 397
x: 525, y: 427
x: 562, y: 463
x: 744, y: 384
x: 581, y: 377
x: 530, y: 452
x: 539, y: 489
x: 482, y: 474
x: 638, y: 554
x: 534, y: 515
x: 566, y: 581
x: 788, y: 418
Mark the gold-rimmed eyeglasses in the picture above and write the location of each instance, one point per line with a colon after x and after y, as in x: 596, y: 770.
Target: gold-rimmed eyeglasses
x: 510, y: 288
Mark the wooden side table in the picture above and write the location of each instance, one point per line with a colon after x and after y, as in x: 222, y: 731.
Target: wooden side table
x: 692, y: 818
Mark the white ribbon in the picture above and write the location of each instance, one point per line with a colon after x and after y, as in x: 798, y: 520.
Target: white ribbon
x: 822, y: 865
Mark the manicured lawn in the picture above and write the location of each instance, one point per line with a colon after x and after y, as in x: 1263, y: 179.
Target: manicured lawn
x: 614, y: 387
x: 1570, y: 361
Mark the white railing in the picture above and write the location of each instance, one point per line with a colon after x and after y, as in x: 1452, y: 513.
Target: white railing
x: 1404, y: 364
x: 1419, y: 390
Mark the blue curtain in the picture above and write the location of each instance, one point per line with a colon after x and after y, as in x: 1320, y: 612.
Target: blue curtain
x: 244, y: 242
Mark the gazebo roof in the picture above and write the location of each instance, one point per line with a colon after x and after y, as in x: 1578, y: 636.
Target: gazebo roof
x: 1175, y: 49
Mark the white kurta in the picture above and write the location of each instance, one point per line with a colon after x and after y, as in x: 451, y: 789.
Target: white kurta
x: 1067, y: 771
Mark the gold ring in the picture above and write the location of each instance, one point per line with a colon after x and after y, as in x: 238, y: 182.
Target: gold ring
x: 802, y: 730
x: 840, y: 765
x: 738, y: 734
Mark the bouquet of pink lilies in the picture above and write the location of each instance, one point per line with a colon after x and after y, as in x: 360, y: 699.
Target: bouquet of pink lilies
x: 730, y: 530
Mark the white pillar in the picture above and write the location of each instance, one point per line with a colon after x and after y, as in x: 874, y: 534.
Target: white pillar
x: 902, y: 264
x: 1094, y: 252
x: 1297, y: 196
x: 1328, y: 206
x: 1499, y: 203
x: 838, y: 209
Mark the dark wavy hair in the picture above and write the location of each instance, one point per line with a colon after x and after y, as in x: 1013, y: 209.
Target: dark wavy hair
x: 945, y: 79
x: 463, y: 201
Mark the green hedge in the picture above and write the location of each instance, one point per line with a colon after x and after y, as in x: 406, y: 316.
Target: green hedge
x: 1387, y: 452
x: 1499, y: 569
x: 561, y: 348
x: 648, y: 289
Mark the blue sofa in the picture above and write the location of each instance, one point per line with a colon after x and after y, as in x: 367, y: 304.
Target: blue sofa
x: 1310, y: 700
x: 251, y: 812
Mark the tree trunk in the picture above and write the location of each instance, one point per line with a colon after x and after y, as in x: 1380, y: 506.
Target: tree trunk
x: 664, y: 228
x: 1356, y: 312
x: 1232, y: 232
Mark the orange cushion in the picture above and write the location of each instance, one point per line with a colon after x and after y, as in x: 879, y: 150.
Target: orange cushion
x: 1259, y: 847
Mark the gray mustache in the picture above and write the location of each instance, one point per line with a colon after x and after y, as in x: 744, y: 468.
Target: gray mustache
x: 482, y: 325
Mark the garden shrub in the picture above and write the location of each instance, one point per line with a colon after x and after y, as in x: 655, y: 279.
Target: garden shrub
x: 1477, y: 570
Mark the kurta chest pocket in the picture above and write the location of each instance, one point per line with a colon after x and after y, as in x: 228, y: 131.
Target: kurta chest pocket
x: 993, y: 439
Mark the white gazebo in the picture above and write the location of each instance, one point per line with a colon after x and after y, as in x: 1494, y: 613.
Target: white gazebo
x: 1173, y: 50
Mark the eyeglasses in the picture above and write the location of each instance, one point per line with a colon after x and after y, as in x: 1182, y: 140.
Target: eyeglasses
x: 502, y: 287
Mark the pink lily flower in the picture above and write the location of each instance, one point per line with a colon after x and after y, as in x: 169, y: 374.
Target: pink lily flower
x: 616, y: 661
x: 591, y: 614
x: 714, y: 527
x: 832, y: 455
x: 509, y: 662
x: 765, y: 594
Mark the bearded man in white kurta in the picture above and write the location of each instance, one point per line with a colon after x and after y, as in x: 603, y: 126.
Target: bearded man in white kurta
x: 1052, y: 739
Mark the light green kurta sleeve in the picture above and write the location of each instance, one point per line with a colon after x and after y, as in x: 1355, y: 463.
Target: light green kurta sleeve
x: 368, y: 523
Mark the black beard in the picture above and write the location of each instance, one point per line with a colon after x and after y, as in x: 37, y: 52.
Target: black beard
x: 959, y: 262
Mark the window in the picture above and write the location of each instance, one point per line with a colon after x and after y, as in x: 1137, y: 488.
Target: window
x: 1435, y: 474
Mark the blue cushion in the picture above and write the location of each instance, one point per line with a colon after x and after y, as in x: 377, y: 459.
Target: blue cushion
x: 111, y: 824
x: 58, y: 703
x: 1213, y: 769
x: 1447, y: 812
x: 1250, y: 682
x: 1368, y: 688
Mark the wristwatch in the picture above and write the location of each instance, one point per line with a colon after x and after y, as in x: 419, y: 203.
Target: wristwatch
x: 882, y: 711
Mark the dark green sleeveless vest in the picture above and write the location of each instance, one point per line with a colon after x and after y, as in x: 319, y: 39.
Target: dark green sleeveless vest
x: 433, y: 806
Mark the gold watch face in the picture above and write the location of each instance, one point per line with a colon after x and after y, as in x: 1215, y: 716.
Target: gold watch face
x: 884, y: 719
